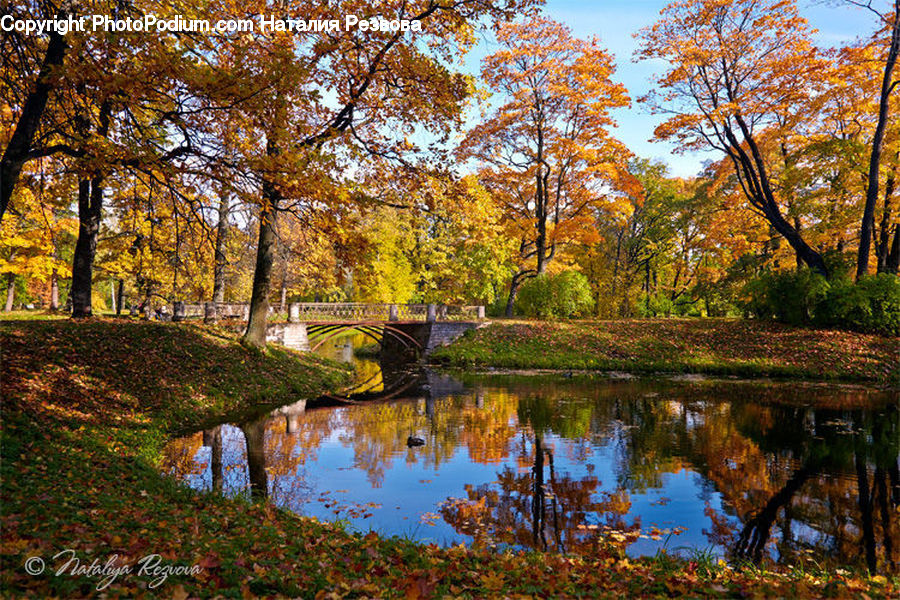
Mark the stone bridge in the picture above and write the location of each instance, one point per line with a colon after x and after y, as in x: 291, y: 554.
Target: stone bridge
x: 401, y: 329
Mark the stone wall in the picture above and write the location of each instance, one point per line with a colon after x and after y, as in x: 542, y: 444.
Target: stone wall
x: 291, y: 335
x: 429, y: 335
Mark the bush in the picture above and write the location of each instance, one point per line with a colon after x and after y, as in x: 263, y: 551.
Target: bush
x: 564, y: 295
x: 871, y: 305
x: 786, y: 296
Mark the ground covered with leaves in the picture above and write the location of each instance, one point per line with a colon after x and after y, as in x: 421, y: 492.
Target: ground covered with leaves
x: 743, y: 348
x: 86, y: 409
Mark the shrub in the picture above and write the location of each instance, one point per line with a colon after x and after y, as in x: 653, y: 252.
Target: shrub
x: 564, y: 295
x: 871, y: 305
x: 883, y: 294
x: 786, y: 296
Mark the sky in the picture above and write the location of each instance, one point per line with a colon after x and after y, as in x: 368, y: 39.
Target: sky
x: 616, y: 21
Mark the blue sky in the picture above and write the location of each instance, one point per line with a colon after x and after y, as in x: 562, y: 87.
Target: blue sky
x: 615, y: 22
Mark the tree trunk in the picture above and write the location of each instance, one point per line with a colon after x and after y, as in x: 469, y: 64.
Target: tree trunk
x: 120, y: 297
x: 85, y: 247
x: 16, y: 153
x: 219, y: 266
x: 90, y: 212
x: 883, y: 244
x: 54, y: 290
x: 10, y: 291
x: 758, y: 190
x: 893, y: 260
x: 262, y: 275
x: 283, y: 306
x: 887, y: 85
x: 513, y: 291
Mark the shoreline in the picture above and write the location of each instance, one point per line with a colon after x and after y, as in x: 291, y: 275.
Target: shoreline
x: 707, y: 347
x: 87, y: 409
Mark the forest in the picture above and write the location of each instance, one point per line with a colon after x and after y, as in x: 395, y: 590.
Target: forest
x: 362, y: 165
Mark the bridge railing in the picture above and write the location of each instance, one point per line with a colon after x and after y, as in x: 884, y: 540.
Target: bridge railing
x: 302, y: 312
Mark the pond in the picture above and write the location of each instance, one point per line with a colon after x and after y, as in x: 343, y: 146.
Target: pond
x: 783, y: 472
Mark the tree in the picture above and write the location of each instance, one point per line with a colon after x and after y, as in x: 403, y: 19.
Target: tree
x: 546, y: 153
x: 742, y: 71
x: 30, y: 238
x: 888, y: 83
x: 358, y: 92
x: 30, y: 99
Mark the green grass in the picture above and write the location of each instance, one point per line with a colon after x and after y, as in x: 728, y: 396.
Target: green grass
x: 87, y: 407
x: 707, y: 346
x: 32, y: 315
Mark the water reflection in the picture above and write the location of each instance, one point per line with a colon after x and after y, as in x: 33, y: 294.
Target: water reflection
x: 749, y: 470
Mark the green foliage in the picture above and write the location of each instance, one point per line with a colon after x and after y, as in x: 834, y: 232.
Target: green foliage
x: 786, y: 296
x: 871, y: 305
x: 564, y: 295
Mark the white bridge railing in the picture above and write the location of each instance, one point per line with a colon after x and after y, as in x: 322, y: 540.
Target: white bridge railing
x: 303, y: 312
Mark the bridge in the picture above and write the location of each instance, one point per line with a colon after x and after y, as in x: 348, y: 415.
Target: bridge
x: 401, y: 329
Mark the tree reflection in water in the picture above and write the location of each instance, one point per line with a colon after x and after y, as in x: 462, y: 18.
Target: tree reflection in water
x: 779, y: 479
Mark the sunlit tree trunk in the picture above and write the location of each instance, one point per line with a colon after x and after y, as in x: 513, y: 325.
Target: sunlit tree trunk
x: 218, y: 295
x: 54, y: 290
x: 10, y: 291
x: 265, y: 257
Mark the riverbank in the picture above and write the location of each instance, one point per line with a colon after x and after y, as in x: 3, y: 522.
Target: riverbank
x: 716, y: 347
x: 86, y: 410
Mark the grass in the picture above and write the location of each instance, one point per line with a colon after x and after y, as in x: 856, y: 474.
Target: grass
x: 32, y: 315
x: 87, y: 407
x: 708, y: 346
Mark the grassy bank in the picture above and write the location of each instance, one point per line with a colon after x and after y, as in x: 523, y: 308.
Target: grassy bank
x: 86, y: 408
x: 709, y: 346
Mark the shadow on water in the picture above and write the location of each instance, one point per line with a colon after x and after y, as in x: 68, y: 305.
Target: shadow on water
x: 790, y: 473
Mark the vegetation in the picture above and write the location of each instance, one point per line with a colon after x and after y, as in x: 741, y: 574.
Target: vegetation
x: 276, y: 170
x: 85, y: 440
x: 709, y: 346
x: 870, y: 305
x: 565, y: 295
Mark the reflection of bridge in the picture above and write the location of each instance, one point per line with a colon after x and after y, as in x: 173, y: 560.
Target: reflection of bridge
x: 319, y: 333
x: 401, y: 329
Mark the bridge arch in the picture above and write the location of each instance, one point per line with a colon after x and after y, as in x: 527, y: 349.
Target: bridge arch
x: 321, y: 333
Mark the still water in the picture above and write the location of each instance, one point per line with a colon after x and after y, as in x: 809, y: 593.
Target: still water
x: 790, y: 473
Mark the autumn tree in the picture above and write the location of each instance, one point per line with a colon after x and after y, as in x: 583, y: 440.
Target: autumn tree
x: 30, y: 73
x: 446, y: 245
x: 891, y: 25
x: 32, y: 236
x: 742, y: 72
x: 546, y: 153
x: 349, y: 93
